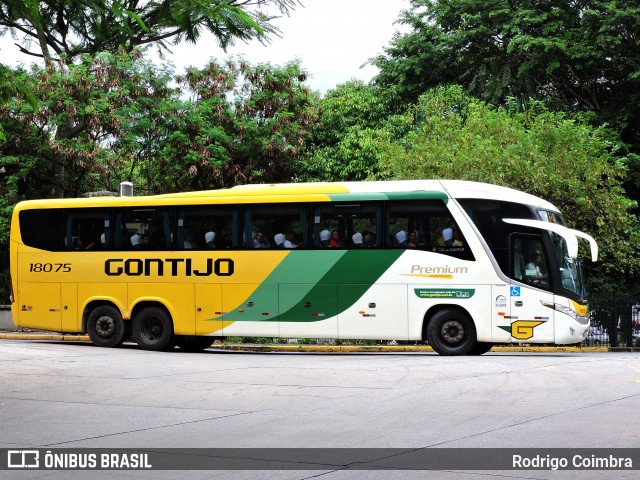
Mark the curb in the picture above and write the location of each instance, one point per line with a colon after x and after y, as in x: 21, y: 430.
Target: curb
x: 324, y: 348
x: 45, y: 336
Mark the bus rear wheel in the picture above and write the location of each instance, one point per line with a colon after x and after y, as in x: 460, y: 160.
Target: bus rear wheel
x: 153, y: 329
x: 451, y: 332
x: 106, y: 327
x: 195, y: 344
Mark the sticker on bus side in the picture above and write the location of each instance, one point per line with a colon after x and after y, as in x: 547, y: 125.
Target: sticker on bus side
x: 444, y: 293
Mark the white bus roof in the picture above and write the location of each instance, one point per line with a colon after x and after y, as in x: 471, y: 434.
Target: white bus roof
x: 456, y: 189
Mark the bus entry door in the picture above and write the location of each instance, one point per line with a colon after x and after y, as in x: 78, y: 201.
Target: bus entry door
x: 531, y: 321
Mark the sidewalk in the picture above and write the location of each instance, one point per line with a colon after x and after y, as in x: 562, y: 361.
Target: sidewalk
x: 251, y: 347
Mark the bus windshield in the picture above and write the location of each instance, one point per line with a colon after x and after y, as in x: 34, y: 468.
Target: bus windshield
x: 570, y: 268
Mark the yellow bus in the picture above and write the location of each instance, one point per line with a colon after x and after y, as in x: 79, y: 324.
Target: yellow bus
x: 460, y: 265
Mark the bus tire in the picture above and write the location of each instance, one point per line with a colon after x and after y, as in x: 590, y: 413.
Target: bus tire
x: 481, y: 348
x: 451, y: 332
x: 106, y: 327
x: 195, y: 344
x: 153, y: 329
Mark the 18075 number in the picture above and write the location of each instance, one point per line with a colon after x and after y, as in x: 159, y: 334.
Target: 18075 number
x: 49, y: 267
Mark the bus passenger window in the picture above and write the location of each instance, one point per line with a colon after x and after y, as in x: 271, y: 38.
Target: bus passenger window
x: 143, y: 228
x: 343, y: 225
x: 34, y: 234
x: 207, y: 227
x: 281, y: 226
x: 426, y: 225
x: 85, y: 227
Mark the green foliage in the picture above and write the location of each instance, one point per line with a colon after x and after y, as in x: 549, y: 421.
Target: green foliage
x: 575, y: 56
x: 115, y: 118
x: 242, y: 124
x: 13, y: 84
x: 68, y: 30
x: 355, y: 118
x: 82, y: 112
x: 544, y: 153
x: 68, y: 33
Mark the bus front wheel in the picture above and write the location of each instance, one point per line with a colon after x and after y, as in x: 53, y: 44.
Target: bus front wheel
x: 106, y: 327
x: 153, y: 329
x: 451, y: 332
x: 481, y: 348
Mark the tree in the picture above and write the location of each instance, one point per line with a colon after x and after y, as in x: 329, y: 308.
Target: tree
x: 548, y: 154
x: 354, y: 118
x: 68, y: 32
x: 98, y: 95
x: 221, y: 125
x: 243, y: 123
x: 12, y: 84
x: 582, y: 55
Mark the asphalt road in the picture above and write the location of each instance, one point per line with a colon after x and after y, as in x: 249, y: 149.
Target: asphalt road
x: 69, y: 395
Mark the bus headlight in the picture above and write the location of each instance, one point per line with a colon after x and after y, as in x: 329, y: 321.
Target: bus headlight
x: 567, y: 311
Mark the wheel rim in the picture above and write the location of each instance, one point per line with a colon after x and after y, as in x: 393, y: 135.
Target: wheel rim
x: 105, y: 326
x: 452, y: 332
x: 152, y: 329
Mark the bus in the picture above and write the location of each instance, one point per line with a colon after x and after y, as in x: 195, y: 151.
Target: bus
x: 460, y: 265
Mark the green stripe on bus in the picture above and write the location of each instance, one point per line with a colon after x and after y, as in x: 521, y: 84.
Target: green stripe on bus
x: 310, y: 288
x: 301, y: 269
x: 342, y: 285
x: 372, y: 196
x: 418, y: 195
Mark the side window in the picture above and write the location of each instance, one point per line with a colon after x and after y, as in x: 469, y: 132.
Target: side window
x: 143, y: 228
x: 87, y: 229
x: 207, y: 227
x: 425, y: 225
x: 42, y: 228
x: 276, y: 226
x: 487, y: 216
x: 347, y: 225
x: 528, y: 260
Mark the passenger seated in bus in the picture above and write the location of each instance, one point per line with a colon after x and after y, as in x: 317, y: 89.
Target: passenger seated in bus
x: 412, y: 240
x: 457, y: 238
x: 223, y: 240
x: 279, y: 239
x: 187, y: 244
x: 135, y: 241
x: 325, y: 236
x: 369, y: 239
x: 336, y: 241
x: 103, y: 241
x: 260, y: 241
x: 401, y: 238
x: 145, y: 243
x: 209, y: 240
x: 79, y: 245
x: 292, y: 240
x: 357, y: 240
